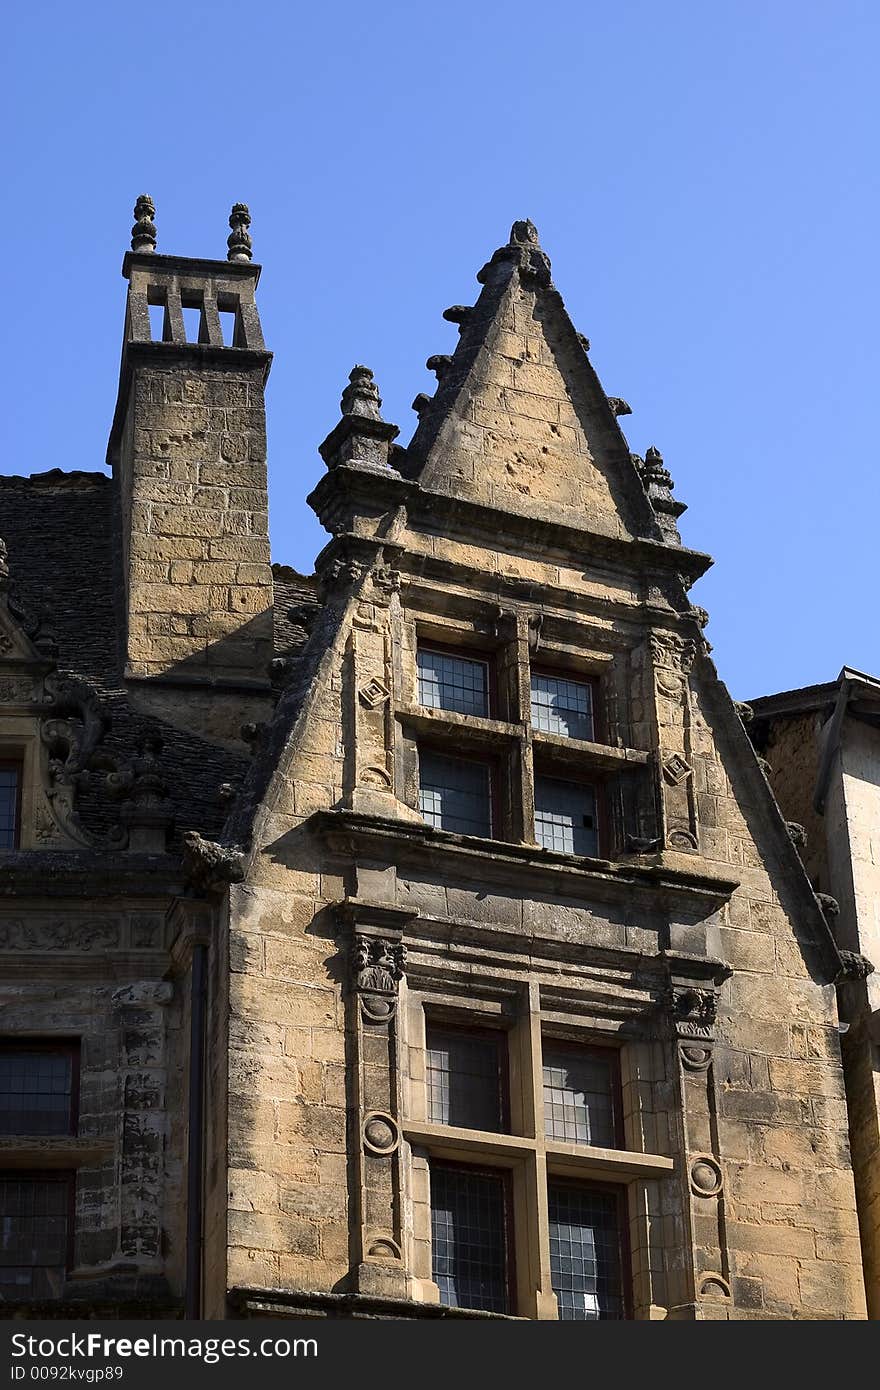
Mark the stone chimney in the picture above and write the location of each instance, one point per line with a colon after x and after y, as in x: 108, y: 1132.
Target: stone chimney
x: 188, y: 453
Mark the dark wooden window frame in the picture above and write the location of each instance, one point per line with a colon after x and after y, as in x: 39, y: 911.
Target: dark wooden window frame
x: 475, y: 654
x: 505, y: 1175
x: 499, y: 1037
x: 488, y: 760
x: 55, y: 1175
x: 621, y: 1193
x: 565, y: 673
x: 610, y: 1054
x: 17, y: 766
x: 547, y: 770
x: 70, y: 1047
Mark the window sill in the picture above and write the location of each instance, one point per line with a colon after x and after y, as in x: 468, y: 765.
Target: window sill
x: 53, y: 1151
x: 452, y: 1142
x: 620, y: 1165
x: 601, y: 756
x: 471, y: 728
x: 611, y: 1164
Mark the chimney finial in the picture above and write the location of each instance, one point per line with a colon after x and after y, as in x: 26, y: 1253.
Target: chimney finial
x: 239, y: 241
x: 361, y: 395
x: 143, y: 233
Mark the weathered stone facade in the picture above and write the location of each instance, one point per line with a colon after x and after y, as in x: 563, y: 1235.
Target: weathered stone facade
x: 249, y: 924
x: 823, y: 749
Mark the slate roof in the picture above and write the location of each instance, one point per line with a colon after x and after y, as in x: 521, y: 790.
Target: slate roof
x: 60, y: 530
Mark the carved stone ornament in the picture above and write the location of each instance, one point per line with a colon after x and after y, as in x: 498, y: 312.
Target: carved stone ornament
x: 681, y: 838
x: 142, y: 992
x: 694, y: 1009
x: 377, y: 967
x: 706, y: 1178
x: 373, y: 693
x: 671, y: 652
x: 83, y: 936
x: 695, y: 1056
x: 209, y: 866
x: 381, y: 1133
x: 676, y: 770
x: 384, y: 1248
x: 854, y: 966
x: 714, y: 1286
x: 386, y: 579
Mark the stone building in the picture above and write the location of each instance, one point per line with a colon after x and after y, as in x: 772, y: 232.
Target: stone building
x: 823, y: 749
x: 419, y: 937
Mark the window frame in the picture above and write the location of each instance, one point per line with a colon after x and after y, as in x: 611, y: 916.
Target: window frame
x: 621, y: 1193
x: 71, y: 1047
x: 563, y: 673
x: 505, y: 1176
x: 54, y: 1175
x: 476, y: 654
x: 561, y: 1043
x: 16, y: 764
x: 596, y: 783
x: 488, y: 760
x: 500, y: 1038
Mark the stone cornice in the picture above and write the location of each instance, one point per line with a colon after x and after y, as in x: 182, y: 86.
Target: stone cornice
x: 652, y: 877
x: 85, y: 873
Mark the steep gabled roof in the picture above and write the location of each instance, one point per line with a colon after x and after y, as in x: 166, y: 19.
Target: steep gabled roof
x: 520, y: 420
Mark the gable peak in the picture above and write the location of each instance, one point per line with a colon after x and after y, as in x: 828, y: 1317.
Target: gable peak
x: 523, y: 252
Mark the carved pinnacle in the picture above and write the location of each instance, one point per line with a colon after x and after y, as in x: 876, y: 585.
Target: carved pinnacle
x: 143, y: 233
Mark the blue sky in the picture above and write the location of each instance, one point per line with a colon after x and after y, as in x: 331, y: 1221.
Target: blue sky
x: 704, y: 179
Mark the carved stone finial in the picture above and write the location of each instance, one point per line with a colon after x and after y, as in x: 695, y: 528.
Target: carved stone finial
x: 147, y: 813
x: 619, y: 406
x: 654, y: 470
x: 658, y: 484
x: 143, y: 233
x: 361, y: 395
x: 745, y: 712
x: 524, y: 233
x: 239, y: 240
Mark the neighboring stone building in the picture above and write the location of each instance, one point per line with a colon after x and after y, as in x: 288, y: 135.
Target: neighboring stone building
x: 420, y: 937
x: 823, y: 746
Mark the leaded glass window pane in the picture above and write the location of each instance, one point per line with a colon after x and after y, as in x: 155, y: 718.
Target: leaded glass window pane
x: 453, y: 682
x: 34, y: 1234
x: 36, y: 1091
x: 579, y: 1097
x: 455, y: 794
x: 463, y: 1079
x: 562, y: 706
x: 9, y: 784
x: 565, y: 816
x: 585, y: 1253
x: 468, y: 1238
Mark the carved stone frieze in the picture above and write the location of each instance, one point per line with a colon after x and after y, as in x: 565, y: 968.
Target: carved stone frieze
x: 87, y: 936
